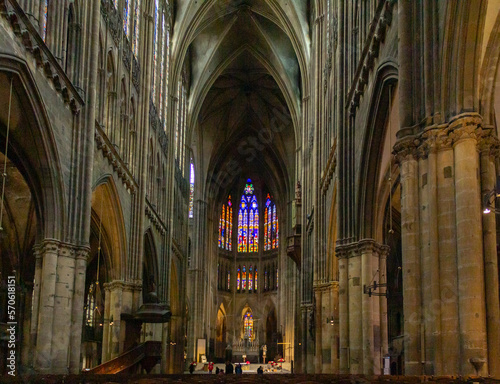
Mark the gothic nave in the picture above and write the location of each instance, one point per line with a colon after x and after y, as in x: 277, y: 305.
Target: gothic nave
x: 311, y: 181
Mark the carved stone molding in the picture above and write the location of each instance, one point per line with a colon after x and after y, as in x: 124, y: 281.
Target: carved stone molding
x: 366, y: 64
x: 122, y: 286
x: 34, y: 44
x: 155, y: 220
x: 109, y: 152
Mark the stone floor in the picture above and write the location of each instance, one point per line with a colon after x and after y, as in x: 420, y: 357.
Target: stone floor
x: 245, y: 378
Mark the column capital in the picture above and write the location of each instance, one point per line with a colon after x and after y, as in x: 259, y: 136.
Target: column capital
x: 465, y: 126
x: 370, y: 245
x: 121, y: 285
x: 433, y: 139
x: 82, y: 252
x: 47, y: 245
x: 489, y: 145
x: 362, y: 246
x: 406, y: 149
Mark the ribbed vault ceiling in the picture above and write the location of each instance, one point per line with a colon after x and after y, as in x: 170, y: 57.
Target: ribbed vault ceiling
x: 246, y: 61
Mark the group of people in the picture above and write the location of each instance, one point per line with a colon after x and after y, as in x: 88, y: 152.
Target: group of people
x: 229, y: 369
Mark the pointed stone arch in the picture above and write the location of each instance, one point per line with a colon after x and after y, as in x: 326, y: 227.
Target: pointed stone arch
x: 490, y: 78
x: 150, y: 269
x: 107, y: 205
x: 373, y: 147
x: 461, y: 56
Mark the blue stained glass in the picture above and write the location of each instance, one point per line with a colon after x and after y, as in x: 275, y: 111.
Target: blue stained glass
x: 248, y: 221
x: 45, y: 17
x: 126, y: 17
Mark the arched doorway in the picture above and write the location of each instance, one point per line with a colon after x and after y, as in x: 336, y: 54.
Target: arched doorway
x: 272, y: 335
x: 18, y: 228
x: 93, y: 319
x: 220, y: 335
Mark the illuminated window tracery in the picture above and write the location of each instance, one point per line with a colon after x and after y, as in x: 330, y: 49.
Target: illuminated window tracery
x: 248, y: 221
x: 226, y: 225
x: 271, y: 229
x: 248, y: 326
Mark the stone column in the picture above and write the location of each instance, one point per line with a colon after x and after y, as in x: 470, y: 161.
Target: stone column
x: 115, y: 298
x: 318, y: 361
x: 106, y: 329
x: 63, y: 298
x: 405, y: 151
x: 447, y: 258
x: 343, y: 310
x: 43, y: 352
x: 430, y: 251
x: 367, y: 278
x: 36, y: 301
x: 489, y: 148
x: 384, y: 337
x: 77, y: 312
x: 471, y: 299
x: 355, y: 312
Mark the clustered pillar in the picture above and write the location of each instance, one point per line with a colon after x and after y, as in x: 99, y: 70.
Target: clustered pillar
x: 362, y: 346
x: 449, y: 287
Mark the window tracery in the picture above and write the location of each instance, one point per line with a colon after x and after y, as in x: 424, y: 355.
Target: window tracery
x: 226, y: 225
x: 271, y: 228
x: 248, y: 221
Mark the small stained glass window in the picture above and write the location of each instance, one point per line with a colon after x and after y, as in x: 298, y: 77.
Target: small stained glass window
x: 226, y: 225
x: 248, y: 326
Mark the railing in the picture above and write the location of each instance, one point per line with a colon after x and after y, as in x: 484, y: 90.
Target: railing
x: 147, y: 355
x: 251, y: 346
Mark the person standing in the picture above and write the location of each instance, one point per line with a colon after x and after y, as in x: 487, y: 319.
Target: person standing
x: 229, y: 368
x: 210, y: 367
x: 191, y: 367
x: 238, y: 369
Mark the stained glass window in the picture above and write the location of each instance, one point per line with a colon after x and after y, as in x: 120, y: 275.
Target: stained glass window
x: 156, y: 43
x: 271, y: 230
x: 126, y: 17
x: 178, y: 120
x: 135, y: 42
x: 248, y: 221
x: 191, y: 189
x: 45, y: 14
x: 228, y: 280
x: 238, y: 279
x: 250, y: 278
x: 115, y: 3
x: 162, y: 67
x: 244, y: 279
x: 226, y: 225
x: 248, y: 325
x: 255, y: 284
x: 183, y: 126
x: 166, y: 57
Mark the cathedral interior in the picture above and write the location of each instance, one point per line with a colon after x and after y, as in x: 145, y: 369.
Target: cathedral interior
x: 311, y: 181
